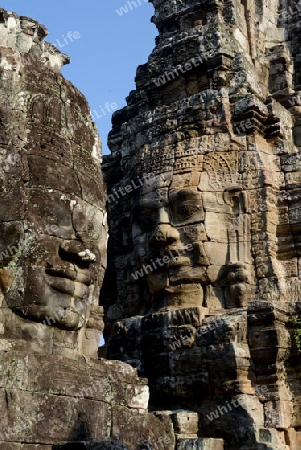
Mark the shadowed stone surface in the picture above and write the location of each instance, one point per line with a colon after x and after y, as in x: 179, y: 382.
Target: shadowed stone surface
x: 113, y: 445
x: 48, y: 400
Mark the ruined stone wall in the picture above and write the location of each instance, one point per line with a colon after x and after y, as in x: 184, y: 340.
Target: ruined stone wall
x: 46, y: 400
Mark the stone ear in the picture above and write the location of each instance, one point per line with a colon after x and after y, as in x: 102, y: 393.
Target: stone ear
x: 230, y: 192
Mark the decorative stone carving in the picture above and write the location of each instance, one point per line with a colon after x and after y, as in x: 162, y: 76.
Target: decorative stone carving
x: 53, y: 390
x: 52, y: 218
x: 213, y: 128
x: 223, y: 140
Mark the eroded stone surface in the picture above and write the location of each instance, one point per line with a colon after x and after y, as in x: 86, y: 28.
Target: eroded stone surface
x: 52, y: 263
x: 52, y: 214
x: 204, y: 218
x: 203, y: 175
x: 45, y: 400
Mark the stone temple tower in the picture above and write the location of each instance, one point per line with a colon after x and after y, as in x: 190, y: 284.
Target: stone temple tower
x: 53, y: 389
x: 204, y: 272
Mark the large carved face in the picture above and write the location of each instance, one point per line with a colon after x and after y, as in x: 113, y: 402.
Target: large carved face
x: 187, y: 235
x: 168, y: 237
x: 53, y: 257
x: 52, y: 199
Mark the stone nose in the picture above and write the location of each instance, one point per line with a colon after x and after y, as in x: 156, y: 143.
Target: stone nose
x: 164, y: 235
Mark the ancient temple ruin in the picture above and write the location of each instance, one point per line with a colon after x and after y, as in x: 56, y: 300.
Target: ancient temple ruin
x: 199, y: 298
x: 202, y: 291
x: 53, y: 389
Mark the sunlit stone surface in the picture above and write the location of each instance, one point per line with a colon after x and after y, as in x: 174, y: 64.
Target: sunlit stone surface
x: 204, y: 206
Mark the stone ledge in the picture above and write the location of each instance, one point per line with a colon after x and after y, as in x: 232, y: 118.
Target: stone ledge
x: 200, y: 444
x: 87, y: 445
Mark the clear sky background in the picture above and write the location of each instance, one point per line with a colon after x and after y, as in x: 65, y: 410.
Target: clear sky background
x: 105, y: 56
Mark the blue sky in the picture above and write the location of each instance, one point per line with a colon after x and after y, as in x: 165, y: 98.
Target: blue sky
x: 107, y: 51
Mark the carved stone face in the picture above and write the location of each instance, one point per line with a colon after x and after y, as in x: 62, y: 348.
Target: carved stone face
x: 168, y: 234
x: 52, y: 199
x: 192, y: 241
x: 53, y: 251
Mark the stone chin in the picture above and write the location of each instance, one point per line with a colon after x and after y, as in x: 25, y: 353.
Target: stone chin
x: 52, y: 301
x: 178, y: 296
x: 177, y: 293
x: 65, y: 318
